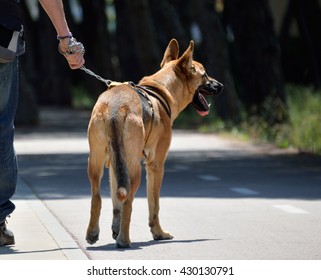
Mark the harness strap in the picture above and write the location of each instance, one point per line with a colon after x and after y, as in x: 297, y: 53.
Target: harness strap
x: 144, y: 97
x: 148, y: 112
x: 155, y: 93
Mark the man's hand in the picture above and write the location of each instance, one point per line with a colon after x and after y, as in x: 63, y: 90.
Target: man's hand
x: 73, y: 51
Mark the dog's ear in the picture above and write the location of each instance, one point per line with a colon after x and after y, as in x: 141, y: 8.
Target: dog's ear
x: 186, y: 60
x: 171, y: 52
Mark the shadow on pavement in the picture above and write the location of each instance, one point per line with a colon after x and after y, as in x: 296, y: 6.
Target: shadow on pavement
x: 10, y: 250
x: 58, y: 176
x: 297, y: 176
x: 141, y: 245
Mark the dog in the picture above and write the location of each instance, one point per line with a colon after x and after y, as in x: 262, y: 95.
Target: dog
x: 130, y: 123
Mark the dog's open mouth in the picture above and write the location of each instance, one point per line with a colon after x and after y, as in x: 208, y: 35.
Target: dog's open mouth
x: 199, y: 101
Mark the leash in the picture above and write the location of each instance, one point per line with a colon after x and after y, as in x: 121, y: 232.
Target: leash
x: 147, y: 89
x: 91, y: 73
x: 76, y: 47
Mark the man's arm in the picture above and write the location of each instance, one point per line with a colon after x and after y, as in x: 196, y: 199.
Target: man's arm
x: 55, y: 11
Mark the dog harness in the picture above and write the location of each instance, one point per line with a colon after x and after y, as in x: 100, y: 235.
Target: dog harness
x: 143, y: 91
x: 147, y: 91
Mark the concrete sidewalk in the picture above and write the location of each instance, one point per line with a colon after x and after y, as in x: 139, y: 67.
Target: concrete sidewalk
x: 38, y: 234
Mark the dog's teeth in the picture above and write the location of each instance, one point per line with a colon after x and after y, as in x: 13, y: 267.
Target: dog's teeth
x: 209, y: 105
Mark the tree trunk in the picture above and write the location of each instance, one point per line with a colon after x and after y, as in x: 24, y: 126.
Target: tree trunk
x: 307, y: 14
x: 213, y: 52
x: 138, y: 51
x: 256, y: 54
x: 96, y: 40
x: 52, y: 68
x: 171, y: 20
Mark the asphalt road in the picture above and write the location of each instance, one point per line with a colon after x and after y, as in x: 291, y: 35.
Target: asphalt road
x: 221, y: 199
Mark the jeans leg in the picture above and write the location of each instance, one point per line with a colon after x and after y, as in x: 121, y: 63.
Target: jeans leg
x: 8, y: 160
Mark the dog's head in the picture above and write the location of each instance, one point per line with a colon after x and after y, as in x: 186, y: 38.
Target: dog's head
x: 193, y: 75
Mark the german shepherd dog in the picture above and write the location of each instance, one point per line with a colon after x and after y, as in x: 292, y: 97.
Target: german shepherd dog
x: 133, y: 122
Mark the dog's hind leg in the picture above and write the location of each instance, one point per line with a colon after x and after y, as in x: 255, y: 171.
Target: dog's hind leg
x: 125, y: 173
x: 122, y: 210
x: 117, y: 205
x: 155, y: 172
x: 96, y: 163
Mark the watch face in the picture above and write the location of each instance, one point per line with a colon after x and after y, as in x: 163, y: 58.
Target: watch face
x: 5, y: 36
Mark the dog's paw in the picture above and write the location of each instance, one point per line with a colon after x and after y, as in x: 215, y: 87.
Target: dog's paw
x: 92, y: 238
x: 122, y: 245
x: 162, y: 236
x: 122, y: 241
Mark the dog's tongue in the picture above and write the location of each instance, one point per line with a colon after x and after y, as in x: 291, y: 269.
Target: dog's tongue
x: 203, y: 113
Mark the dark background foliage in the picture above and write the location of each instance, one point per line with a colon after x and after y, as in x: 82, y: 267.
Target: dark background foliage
x: 238, y: 42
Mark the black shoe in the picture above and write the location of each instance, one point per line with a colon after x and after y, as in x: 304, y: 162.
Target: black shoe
x: 6, y: 235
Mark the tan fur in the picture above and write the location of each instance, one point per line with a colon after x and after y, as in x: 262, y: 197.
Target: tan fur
x: 119, y: 139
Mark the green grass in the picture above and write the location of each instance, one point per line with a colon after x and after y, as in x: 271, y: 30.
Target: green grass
x: 305, y: 118
x: 301, y: 131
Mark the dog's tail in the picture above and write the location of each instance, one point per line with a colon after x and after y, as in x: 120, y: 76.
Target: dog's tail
x: 118, y: 159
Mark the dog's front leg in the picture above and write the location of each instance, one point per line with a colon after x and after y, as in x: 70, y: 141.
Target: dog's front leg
x: 155, y: 174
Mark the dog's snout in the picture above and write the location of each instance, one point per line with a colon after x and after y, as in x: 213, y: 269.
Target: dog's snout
x: 217, y: 86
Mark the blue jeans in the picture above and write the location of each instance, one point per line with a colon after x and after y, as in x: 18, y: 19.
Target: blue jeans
x: 8, y: 160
